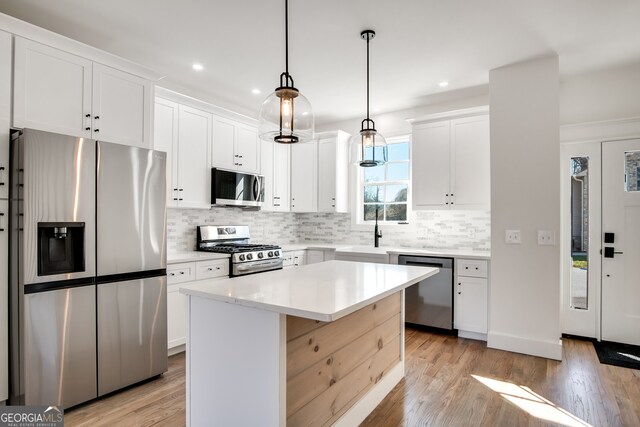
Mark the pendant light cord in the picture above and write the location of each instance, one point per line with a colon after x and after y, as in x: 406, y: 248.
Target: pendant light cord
x: 368, y: 78
x: 286, y: 37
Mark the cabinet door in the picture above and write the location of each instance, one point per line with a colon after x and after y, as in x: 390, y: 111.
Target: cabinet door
x: 165, y: 138
x: 470, y: 163
x: 121, y: 107
x: 5, y: 119
x: 224, y: 136
x: 281, y: 165
x: 247, y: 149
x: 471, y: 304
x: 430, y: 161
x: 266, y: 169
x: 176, y: 317
x: 314, y: 256
x: 4, y: 292
x: 304, y: 177
x: 194, y: 167
x: 327, y: 175
x: 52, y: 90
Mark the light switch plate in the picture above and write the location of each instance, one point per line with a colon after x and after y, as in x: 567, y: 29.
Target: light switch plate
x: 546, y: 237
x: 513, y: 237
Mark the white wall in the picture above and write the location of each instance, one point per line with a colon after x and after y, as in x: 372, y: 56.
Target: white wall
x: 612, y: 93
x: 394, y: 123
x: 524, y: 310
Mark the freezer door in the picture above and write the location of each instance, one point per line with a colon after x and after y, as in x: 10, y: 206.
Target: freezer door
x: 132, y: 332
x: 56, y: 184
x: 131, y: 209
x: 60, y: 346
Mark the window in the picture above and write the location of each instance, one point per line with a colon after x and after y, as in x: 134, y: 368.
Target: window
x: 579, y: 233
x: 385, y: 189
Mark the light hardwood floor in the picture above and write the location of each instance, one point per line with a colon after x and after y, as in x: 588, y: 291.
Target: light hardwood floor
x: 449, y: 382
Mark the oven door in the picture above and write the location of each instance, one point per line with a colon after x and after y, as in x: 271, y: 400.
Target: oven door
x: 229, y: 188
x: 244, y: 268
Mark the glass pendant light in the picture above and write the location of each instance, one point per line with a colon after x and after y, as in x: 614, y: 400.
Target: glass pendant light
x: 371, y: 147
x: 286, y: 116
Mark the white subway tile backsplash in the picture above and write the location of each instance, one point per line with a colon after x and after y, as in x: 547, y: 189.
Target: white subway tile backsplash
x: 434, y: 229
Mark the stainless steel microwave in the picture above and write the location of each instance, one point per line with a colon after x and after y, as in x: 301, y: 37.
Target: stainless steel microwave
x: 231, y: 188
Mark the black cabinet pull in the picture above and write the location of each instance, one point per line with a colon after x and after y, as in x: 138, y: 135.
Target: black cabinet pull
x: 97, y: 117
x: 87, y: 115
x: 96, y: 130
x: 87, y: 128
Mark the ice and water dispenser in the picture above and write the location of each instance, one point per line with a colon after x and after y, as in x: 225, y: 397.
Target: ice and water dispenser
x: 60, y: 248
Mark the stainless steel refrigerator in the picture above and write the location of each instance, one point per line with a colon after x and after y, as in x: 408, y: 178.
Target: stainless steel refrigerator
x: 87, y: 268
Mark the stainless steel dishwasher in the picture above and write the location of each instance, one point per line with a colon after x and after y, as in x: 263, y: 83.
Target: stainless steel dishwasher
x: 430, y: 301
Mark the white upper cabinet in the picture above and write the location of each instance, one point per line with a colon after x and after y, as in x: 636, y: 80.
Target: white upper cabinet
x: 60, y: 92
x: 333, y: 172
x: 52, y: 90
x: 266, y: 163
x: 248, y: 148
x: 281, y: 177
x: 184, y: 133
x: 165, y: 134
x: 304, y: 177
x: 5, y: 127
x: 194, y: 167
x: 121, y: 107
x: 430, y: 165
x: 275, y: 169
x: 450, y: 163
x: 470, y: 168
x: 235, y: 146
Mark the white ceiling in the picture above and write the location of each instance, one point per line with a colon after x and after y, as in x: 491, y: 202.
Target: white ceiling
x: 419, y: 43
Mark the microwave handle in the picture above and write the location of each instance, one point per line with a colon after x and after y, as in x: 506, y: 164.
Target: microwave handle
x: 256, y: 187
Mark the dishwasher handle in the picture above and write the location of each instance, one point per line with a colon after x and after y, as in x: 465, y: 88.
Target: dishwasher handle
x: 426, y: 264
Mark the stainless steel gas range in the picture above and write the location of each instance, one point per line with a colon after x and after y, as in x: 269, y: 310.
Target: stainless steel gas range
x: 246, y: 258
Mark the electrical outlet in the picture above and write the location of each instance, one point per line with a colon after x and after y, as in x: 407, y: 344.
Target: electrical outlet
x: 471, y: 233
x: 423, y: 232
x: 546, y: 237
x: 513, y: 237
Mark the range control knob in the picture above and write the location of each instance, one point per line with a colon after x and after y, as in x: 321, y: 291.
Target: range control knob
x: 277, y: 253
x: 241, y: 257
x: 260, y: 255
x: 250, y: 257
x: 270, y: 254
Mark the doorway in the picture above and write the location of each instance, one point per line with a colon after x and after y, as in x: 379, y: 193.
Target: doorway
x: 601, y: 272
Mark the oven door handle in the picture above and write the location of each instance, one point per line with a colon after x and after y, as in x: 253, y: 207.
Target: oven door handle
x: 248, y: 266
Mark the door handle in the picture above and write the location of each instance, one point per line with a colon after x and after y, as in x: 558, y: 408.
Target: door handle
x: 610, y: 252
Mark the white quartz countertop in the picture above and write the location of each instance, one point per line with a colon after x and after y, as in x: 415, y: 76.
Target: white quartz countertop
x: 370, y: 250
x: 191, y: 256
x: 325, y: 291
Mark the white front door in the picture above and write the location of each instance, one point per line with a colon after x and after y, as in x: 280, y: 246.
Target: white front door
x: 621, y: 217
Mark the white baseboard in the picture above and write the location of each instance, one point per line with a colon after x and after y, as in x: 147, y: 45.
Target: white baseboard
x: 177, y: 349
x: 472, y: 335
x: 361, y: 410
x: 547, y: 349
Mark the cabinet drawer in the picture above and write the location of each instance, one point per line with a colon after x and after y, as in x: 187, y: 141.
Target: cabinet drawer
x: 472, y: 268
x: 180, y: 273
x: 212, y: 269
x: 287, y: 259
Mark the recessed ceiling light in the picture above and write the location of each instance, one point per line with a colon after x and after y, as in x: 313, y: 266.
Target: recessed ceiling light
x: 443, y: 83
x: 198, y: 67
x: 256, y: 91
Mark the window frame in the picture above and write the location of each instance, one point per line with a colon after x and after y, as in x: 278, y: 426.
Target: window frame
x: 357, y: 218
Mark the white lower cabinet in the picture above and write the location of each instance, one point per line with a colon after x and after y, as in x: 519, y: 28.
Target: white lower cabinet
x: 177, y: 309
x: 4, y: 303
x: 361, y: 257
x: 294, y: 258
x: 315, y: 256
x: 470, y: 298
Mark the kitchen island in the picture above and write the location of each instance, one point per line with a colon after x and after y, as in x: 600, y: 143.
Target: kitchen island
x: 316, y: 345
